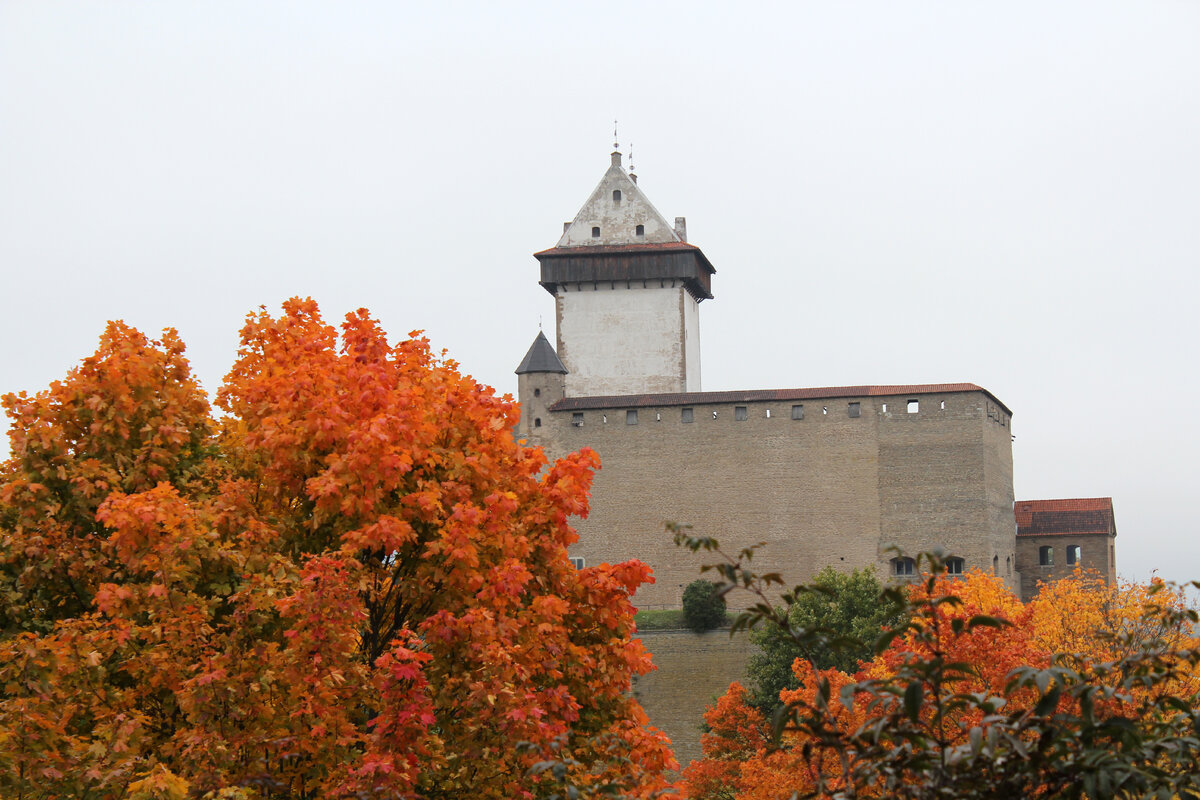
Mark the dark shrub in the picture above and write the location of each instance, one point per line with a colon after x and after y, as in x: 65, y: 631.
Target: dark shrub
x: 703, y: 608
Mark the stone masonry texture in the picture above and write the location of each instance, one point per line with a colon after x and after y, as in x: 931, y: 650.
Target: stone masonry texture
x: 828, y: 489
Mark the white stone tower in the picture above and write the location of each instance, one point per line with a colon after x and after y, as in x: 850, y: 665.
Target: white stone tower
x: 627, y: 289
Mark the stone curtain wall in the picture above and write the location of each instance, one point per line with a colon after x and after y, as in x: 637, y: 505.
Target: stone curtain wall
x: 693, y: 670
x: 828, y: 489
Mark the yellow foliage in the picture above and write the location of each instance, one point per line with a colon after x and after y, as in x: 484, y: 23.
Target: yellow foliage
x: 159, y: 783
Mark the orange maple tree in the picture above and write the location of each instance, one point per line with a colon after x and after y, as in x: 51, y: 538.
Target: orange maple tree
x: 354, y: 583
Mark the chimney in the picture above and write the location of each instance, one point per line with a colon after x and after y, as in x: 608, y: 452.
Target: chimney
x: 681, y: 228
x: 633, y: 177
x: 616, y: 158
x: 565, y: 226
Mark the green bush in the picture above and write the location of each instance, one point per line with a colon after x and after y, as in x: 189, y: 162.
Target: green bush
x: 703, y: 606
x: 849, y: 606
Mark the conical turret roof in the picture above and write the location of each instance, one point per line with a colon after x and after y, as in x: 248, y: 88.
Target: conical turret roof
x: 541, y: 358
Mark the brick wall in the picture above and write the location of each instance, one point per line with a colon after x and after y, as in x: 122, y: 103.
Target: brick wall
x: 828, y: 489
x: 1096, y: 553
x: 693, y: 670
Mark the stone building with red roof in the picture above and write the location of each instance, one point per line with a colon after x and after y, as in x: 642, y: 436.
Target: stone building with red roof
x: 1057, y: 537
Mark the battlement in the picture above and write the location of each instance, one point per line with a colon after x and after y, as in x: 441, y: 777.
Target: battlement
x: 912, y: 394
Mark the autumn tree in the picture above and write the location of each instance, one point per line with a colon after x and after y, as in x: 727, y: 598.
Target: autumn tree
x: 354, y: 583
x: 964, y: 700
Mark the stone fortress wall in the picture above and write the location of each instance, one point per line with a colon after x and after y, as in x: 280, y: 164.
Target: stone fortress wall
x: 823, y: 477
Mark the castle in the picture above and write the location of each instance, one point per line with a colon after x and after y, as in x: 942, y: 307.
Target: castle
x: 849, y: 476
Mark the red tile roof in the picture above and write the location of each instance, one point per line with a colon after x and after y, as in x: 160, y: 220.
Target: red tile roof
x: 759, y: 395
x: 1078, y: 516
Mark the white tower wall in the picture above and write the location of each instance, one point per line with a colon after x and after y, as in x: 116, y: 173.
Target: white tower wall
x: 615, y: 340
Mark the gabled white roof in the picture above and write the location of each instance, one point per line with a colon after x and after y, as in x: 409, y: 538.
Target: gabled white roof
x: 617, y: 207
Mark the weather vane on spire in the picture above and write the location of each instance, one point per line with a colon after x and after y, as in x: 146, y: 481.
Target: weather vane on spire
x: 631, y: 166
x: 616, y: 141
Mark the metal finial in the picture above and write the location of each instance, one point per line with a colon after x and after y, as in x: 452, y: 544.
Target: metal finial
x: 631, y: 166
x: 616, y: 142
x: 539, y: 322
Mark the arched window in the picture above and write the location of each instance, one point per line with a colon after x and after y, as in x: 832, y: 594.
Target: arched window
x: 617, y: 196
x: 595, y: 232
x: 903, y: 566
x: 537, y: 422
x: 1008, y: 565
x: 1074, y: 554
x: 954, y: 566
x: 640, y: 230
x: 1046, y: 556
x: 995, y: 565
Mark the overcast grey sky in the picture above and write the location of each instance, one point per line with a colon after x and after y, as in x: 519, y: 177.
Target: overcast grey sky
x: 1003, y: 193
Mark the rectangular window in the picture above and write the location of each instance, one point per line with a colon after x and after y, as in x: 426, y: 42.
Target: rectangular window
x: 577, y: 562
x: 740, y: 414
x: 913, y: 407
x: 577, y: 419
x: 685, y: 415
x: 856, y: 409
x: 631, y: 417
x: 797, y: 412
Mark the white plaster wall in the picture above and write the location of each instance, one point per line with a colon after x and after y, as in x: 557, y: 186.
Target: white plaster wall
x: 617, y: 221
x: 691, y: 341
x: 628, y: 340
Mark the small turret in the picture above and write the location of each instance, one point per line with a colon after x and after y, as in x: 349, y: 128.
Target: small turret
x: 540, y: 384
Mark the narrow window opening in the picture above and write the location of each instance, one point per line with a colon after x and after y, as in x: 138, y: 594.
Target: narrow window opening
x: 537, y: 422
x: 914, y: 407
x: 604, y: 419
x: 640, y: 230
x: 855, y: 409
x: 995, y: 565
x: 903, y: 566
x: 537, y: 392
x: 1008, y: 565
x: 1073, y: 554
x: 824, y: 409
x: 577, y: 419
x: 740, y: 413
x: 884, y: 408
x: 596, y: 232
x: 631, y: 417
x: 658, y: 416
x: 714, y: 415
x: 954, y: 566
x: 768, y: 413
x: 797, y: 412
x: 943, y: 405
x: 617, y: 196
x: 685, y: 415
x: 1046, y: 556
